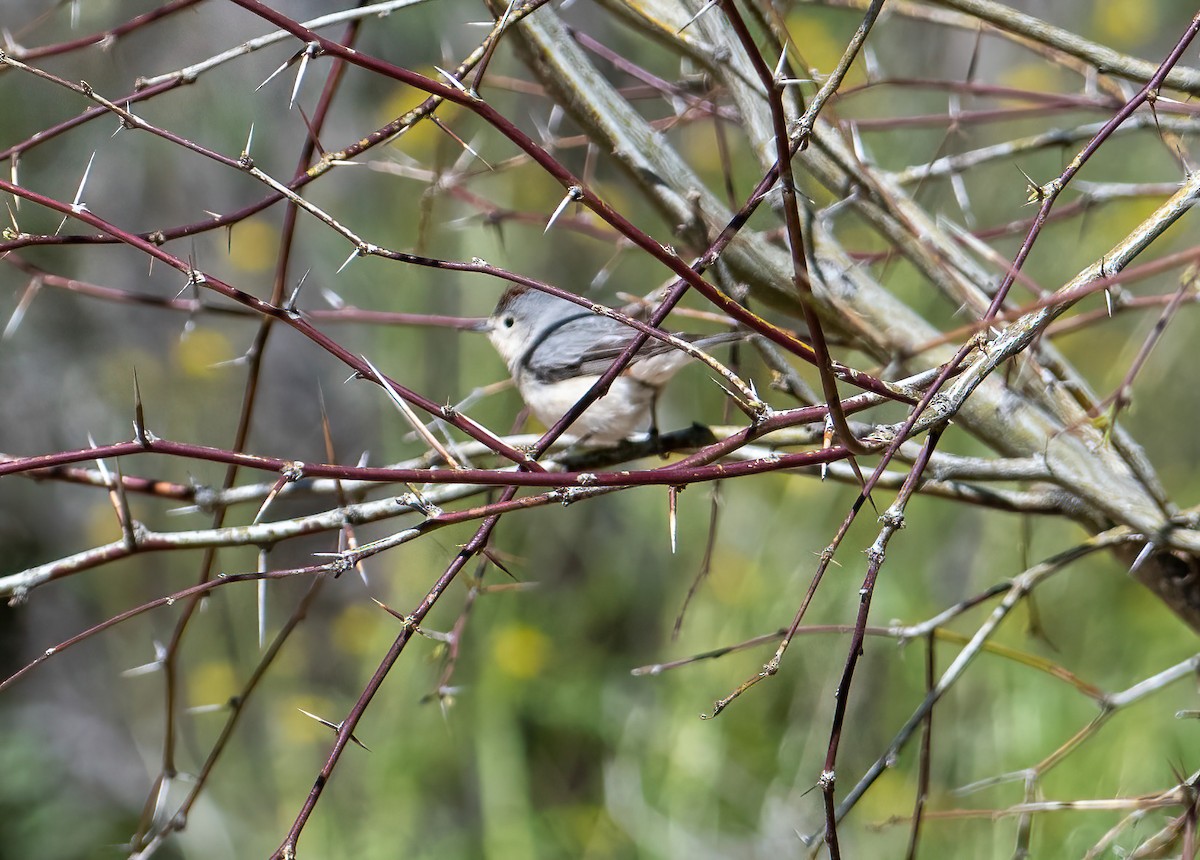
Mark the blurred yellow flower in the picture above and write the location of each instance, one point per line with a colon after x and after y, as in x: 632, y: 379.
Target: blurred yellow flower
x: 211, y: 683
x: 199, y: 351
x: 1125, y: 24
x: 252, y: 247
x: 520, y: 651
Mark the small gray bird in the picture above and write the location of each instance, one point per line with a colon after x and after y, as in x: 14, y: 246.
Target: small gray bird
x: 556, y: 350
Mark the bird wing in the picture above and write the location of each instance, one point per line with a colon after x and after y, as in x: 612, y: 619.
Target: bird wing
x: 583, y: 348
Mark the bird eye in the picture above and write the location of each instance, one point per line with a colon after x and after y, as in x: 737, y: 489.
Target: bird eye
x: 508, y: 321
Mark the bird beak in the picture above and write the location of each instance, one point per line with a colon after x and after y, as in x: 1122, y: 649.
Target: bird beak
x: 483, y: 325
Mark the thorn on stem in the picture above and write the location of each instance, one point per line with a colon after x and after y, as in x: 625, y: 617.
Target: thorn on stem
x: 574, y: 193
x: 705, y: 8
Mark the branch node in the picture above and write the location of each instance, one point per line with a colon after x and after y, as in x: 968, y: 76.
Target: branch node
x: 893, y: 518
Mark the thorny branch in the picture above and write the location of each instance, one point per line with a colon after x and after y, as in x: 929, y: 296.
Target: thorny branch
x: 806, y: 293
